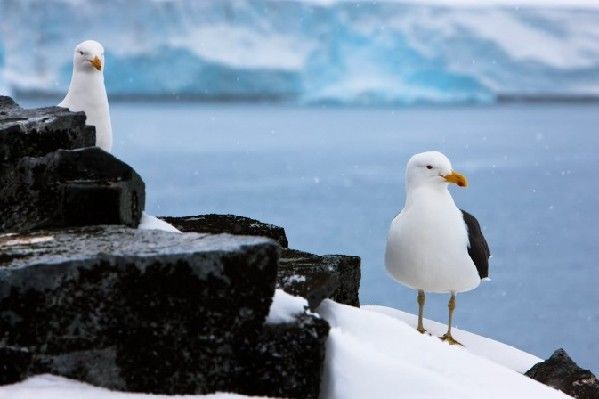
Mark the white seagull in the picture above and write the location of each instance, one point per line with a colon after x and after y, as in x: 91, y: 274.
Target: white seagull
x: 87, y: 92
x: 432, y: 245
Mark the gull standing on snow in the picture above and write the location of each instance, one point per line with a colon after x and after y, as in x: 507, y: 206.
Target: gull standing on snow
x: 432, y: 245
x: 87, y: 92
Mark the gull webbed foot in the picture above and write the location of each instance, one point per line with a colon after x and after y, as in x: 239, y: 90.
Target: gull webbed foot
x: 450, y: 340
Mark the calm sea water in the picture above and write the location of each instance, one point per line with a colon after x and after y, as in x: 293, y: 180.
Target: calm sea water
x: 334, y: 179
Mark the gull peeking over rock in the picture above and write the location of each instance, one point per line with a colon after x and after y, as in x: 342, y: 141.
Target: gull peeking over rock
x: 87, y: 92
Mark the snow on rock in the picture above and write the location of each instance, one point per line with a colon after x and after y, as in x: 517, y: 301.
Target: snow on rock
x: 51, y: 387
x: 149, y: 222
x: 373, y: 352
x: 284, y: 307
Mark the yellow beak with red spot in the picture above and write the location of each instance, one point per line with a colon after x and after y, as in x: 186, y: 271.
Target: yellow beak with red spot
x: 97, y: 63
x: 457, y: 178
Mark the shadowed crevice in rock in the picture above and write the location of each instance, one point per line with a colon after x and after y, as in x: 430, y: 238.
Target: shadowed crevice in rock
x: 561, y: 372
x: 69, y: 188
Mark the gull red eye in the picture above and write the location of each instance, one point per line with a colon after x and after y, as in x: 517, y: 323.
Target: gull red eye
x: 429, y: 166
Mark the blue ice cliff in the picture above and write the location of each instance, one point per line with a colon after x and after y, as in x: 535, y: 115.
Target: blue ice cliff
x: 305, y: 51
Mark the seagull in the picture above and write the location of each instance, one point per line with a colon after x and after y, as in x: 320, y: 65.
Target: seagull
x: 432, y: 245
x: 87, y: 92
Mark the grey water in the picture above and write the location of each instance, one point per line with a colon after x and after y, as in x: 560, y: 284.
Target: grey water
x: 333, y: 177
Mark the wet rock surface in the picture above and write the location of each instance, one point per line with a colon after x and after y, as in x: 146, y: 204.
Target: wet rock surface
x: 174, y: 308
x: 50, y: 176
x: 300, y: 273
x: 69, y: 188
x: 561, y: 372
x: 286, y: 359
x: 15, y: 364
x: 36, y: 132
x: 239, y: 225
x: 318, y: 277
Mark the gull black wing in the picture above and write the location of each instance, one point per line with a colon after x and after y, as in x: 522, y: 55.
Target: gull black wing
x: 478, y: 249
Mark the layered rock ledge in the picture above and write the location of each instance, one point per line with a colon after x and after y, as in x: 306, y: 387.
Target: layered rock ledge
x: 85, y: 297
x: 36, y: 132
x: 160, y: 312
x: 300, y: 273
x: 50, y: 176
x: 69, y: 188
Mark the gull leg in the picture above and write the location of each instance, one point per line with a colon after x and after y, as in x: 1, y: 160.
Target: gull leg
x: 421, y: 301
x: 447, y: 337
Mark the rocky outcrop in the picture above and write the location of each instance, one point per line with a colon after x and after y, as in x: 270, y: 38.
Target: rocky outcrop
x: 161, y: 313
x: 239, y: 225
x: 51, y: 177
x: 154, y: 312
x: 561, y: 372
x: 85, y: 297
x: 300, y: 273
x: 36, y: 132
x: 69, y: 188
x: 318, y: 277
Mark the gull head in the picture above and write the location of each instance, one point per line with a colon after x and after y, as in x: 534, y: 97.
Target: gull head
x: 433, y: 169
x: 89, y: 56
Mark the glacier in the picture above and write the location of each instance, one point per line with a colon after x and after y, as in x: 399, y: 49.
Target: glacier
x: 306, y: 51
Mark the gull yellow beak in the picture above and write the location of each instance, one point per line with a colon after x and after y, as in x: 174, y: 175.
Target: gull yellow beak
x: 97, y: 63
x: 456, y: 178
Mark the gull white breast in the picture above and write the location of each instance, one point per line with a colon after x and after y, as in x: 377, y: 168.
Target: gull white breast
x: 432, y: 245
x: 87, y: 91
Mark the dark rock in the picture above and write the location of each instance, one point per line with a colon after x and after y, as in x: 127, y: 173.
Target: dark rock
x: 318, y: 277
x: 231, y: 224
x: 69, y: 188
x: 93, y: 366
x: 36, y: 132
x: 300, y: 273
x: 14, y: 364
x: 561, y: 372
x: 174, y: 308
x: 286, y: 360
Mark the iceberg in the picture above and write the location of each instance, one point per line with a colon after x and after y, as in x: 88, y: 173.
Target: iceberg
x: 308, y: 51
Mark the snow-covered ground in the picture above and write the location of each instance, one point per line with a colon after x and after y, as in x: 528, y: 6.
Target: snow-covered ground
x: 51, y: 387
x: 310, y: 50
x: 373, y: 352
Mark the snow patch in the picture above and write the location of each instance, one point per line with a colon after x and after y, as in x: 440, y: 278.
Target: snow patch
x: 51, y: 387
x: 284, y: 307
x: 371, y: 354
x: 149, y: 222
x: 295, y: 278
